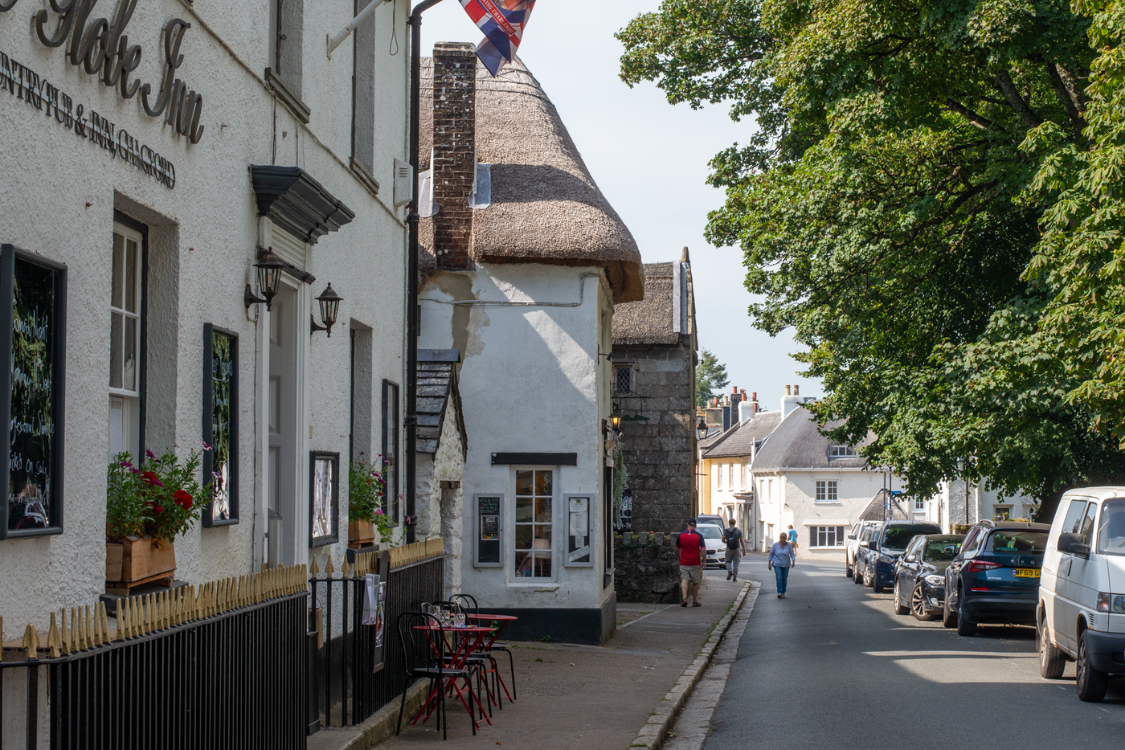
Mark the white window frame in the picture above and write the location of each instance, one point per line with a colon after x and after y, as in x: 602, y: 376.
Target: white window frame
x: 553, y: 524
x: 125, y: 403
x: 827, y: 491
x: 730, y: 475
x: 842, y: 451
x: 819, y: 534
x: 719, y: 473
x: 920, y: 503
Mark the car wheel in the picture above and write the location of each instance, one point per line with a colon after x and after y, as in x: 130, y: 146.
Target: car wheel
x: 918, y: 605
x: 857, y: 578
x: 875, y: 583
x: 1052, y: 661
x: 900, y: 608
x: 948, y: 616
x: 868, y: 581
x: 847, y: 569
x: 964, y: 627
x: 1091, y: 683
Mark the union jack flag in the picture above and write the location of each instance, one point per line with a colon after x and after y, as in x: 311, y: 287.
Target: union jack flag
x: 502, y: 22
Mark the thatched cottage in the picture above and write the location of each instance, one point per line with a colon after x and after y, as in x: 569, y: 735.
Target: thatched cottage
x: 523, y: 260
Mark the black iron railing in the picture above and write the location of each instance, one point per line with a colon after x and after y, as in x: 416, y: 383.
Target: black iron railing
x: 348, y: 687
x: 225, y: 667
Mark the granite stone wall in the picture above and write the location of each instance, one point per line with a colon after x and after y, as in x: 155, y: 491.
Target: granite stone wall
x: 659, y: 452
x: 646, y: 568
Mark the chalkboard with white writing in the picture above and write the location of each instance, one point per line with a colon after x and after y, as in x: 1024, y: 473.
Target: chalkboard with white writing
x: 220, y: 424
x: 32, y: 297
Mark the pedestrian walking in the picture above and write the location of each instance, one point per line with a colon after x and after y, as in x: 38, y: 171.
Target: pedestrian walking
x: 692, y: 548
x: 793, y: 536
x: 736, y: 547
x: 782, y: 558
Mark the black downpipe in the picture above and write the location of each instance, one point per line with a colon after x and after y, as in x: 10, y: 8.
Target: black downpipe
x: 412, y: 321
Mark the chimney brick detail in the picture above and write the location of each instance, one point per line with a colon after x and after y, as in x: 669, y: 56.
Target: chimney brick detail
x: 454, y: 155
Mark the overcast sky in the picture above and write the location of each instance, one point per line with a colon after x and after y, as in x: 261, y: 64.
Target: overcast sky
x: 650, y: 159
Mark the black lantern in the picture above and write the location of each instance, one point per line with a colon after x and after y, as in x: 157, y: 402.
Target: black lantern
x: 701, y: 428
x: 615, y: 418
x: 269, y: 279
x: 329, y: 309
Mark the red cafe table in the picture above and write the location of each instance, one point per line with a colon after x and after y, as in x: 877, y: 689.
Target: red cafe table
x: 456, y: 660
x: 501, y: 622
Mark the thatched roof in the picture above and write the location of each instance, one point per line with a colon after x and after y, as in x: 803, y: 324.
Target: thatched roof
x: 737, y: 441
x: 796, y: 443
x: 651, y: 320
x: 545, y: 207
x: 874, y: 510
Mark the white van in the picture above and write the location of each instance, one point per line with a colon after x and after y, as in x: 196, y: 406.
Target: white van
x: 1081, y: 615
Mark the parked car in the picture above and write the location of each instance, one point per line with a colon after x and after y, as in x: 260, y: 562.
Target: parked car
x: 920, y: 574
x: 888, y: 541
x: 1081, y: 610
x: 859, y: 562
x: 995, y: 576
x: 716, y: 548
x: 852, y: 544
x: 710, y: 518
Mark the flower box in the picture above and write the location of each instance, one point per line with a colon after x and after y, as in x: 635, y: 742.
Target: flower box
x: 138, y: 560
x: 361, y: 532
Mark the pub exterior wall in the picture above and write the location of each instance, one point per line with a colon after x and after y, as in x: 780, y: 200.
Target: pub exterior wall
x: 58, y: 199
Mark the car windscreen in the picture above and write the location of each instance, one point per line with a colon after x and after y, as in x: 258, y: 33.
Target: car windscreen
x: 1016, y: 541
x: 942, y: 550
x: 897, y: 537
x: 710, y: 532
x: 1111, y: 529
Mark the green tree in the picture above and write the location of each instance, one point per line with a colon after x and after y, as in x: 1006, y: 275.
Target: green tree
x: 710, y: 378
x: 884, y: 210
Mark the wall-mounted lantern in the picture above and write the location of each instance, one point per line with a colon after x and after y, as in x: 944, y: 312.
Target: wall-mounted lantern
x: 269, y: 279
x: 329, y: 303
x: 701, y: 428
x: 615, y: 419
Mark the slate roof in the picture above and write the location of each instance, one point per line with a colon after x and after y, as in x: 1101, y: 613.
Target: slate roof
x: 546, y: 207
x: 437, y: 387
x: 649, y: 321
x: 874, y: 510
x: 796, y: 443
x: 737, y: 441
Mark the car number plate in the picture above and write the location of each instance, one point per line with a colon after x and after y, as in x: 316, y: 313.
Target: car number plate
x: 1026, y: 572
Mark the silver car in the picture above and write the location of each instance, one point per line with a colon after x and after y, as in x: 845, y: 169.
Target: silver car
x: 716, y: 548
x: 852, y: 544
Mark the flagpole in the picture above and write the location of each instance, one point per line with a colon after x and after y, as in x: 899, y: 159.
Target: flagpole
x: 412, y: 219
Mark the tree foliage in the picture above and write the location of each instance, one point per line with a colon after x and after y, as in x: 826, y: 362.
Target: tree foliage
x: 888, y: 208
x: 710, y: 378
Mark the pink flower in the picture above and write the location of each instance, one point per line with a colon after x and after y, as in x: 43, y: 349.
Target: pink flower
x: 216, y: 475
x: 126, y: 464
x: 205, y: 446
x: 378, y: 511
x: 149, y: 453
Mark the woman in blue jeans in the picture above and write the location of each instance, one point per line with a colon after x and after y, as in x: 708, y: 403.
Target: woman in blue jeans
x: 782, y: 558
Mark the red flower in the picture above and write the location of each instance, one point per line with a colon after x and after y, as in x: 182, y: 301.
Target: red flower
x: 158, y: 509
x: 152, y: 478
x: 183, y: 499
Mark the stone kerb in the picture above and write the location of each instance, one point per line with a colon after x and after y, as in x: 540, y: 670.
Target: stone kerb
x: 647, y: 567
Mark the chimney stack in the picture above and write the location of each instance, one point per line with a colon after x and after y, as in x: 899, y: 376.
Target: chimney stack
x: 789, y: 402
x: 796, y: 390
x: 454, y: 160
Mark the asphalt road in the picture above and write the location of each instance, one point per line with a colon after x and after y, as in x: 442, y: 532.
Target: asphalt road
x: 832, y: 666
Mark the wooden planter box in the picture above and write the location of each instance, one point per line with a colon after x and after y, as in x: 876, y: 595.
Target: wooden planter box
x: 361, y: 532
x: 136, y: 561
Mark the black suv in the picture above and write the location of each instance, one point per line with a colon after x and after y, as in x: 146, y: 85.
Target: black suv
x: 995, y: 576
x: 876, y: 557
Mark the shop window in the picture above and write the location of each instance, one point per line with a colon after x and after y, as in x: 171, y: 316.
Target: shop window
x: 534, y: 551
x: 390, y: 449
x: 126, y: 341
x: 220, y: 424
x: 826, y: 491
x: 33, y: 300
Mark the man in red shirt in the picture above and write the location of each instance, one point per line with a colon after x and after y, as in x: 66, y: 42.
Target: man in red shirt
x: 692, y: 549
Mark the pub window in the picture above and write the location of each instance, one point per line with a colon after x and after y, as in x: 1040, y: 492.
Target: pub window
x: 534, y: 510
x: 623, y: 380
x: 126, y: 341
x: 826, y: 536
x: 363, y: 100
x: 32, y: 360
x: 390, y: 449
x: 286, y: 73
x: 487, y: 531
x: 220, y: 424
x: 324, y: 498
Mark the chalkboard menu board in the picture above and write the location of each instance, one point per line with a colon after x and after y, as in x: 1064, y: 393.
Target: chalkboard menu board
x: 220, y: 424
x: 488, y: 530
x: 32, y: 357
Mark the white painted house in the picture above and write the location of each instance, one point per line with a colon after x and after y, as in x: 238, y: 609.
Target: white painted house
x: 524, y: 260
x: 155, y: 221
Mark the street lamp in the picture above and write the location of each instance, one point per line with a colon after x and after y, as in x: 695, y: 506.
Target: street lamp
x: 701, y: 428
x: 329, y: 310
x: 615, y: 418
x: 269, y: 279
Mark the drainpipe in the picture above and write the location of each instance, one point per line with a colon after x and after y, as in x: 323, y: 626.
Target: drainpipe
x: 412, y: 322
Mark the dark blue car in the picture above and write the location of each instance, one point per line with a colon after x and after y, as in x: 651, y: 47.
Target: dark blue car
x: 995, y: 576
x: 881, y: 552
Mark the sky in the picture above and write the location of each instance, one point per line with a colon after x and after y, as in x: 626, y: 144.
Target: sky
x: 650, y: 160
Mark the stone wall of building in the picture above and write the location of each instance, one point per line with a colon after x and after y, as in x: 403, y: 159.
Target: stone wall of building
x: 659, y: 453
x: 646, y: 567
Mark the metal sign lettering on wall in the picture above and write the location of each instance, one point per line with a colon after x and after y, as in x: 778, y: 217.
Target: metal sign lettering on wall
x: 101, y: 47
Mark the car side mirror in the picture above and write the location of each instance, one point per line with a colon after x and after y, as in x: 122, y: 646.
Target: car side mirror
x: 910, y: 558
x: 851, y: 536
x: 1080, y: 550
x: 865, y: 544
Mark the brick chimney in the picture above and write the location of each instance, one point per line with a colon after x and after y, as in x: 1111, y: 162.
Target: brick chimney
x: 454, y: 158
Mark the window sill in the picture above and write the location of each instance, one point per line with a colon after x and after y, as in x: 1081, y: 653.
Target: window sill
x: 299, y: 109
x: 537, y: 587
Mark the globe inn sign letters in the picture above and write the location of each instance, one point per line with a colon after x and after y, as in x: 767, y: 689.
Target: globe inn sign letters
x: 101, y: 47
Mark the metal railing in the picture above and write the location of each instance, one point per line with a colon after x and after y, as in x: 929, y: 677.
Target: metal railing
x: 348, y: 689
x: 224, y: 666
